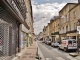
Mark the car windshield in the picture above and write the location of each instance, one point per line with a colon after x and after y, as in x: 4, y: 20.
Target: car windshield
x: 70, y: 42
x: 74, y: 41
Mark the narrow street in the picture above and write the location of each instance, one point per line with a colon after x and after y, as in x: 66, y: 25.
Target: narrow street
x: 51, y: 53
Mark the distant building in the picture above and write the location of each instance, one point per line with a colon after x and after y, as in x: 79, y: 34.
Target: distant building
x: 55, y: 29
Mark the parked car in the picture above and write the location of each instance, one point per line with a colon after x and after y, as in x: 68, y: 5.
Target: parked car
x: 43, y: 41
x: 54, y: 44
x: 48, y: 42
x: 68, y: 44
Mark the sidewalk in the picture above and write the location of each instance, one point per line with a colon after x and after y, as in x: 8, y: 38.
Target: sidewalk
x: 30, y: 53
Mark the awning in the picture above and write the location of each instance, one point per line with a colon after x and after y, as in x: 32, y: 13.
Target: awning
x: 56, y: 33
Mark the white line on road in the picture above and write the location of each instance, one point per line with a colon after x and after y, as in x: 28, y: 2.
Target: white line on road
x: 48, y: 59
x: 60, y: 58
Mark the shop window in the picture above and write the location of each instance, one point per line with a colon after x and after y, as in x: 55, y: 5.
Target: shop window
x: 66, y: 28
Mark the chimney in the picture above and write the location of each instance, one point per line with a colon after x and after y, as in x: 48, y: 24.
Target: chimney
x: 78, y: 1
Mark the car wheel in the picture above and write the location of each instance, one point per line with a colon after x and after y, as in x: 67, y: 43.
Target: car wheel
x: 65, y: 49
x: 54, y: 46
x: 51, y: 45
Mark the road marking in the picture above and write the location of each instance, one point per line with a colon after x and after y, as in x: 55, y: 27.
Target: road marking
x: 48, y: 59
x: 60, y: 58
x: 71, y: 58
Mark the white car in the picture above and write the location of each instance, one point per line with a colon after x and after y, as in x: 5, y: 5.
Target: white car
x: 68, y: 44
x: 55, y: 44
x: 48, y: 42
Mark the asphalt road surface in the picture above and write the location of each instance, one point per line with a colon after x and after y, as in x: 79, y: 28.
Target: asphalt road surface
x: 51, y: 53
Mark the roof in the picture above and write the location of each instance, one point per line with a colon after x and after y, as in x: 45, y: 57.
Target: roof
x: 66, y: 5
x: 55, y: 18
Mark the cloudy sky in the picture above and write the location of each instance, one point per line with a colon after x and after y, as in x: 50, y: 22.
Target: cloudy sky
x: 44, y: 10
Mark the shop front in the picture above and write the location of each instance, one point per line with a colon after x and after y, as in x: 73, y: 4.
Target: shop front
x: 55, y: 36
x: 72, y: 35
x: 24, y: 32
x: 62, y: 36
x: 9, y: 35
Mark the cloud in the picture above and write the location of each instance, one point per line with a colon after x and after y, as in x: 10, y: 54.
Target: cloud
x: 43, y: 13
x: 47, y: 0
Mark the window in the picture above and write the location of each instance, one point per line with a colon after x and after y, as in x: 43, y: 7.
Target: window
x: 66, y: 28
x: 74, y: 26
x: 69, y: 42
x: 74, y: 41
x: 67, y: 17
x: 63, y: 30
x: 74, y: 14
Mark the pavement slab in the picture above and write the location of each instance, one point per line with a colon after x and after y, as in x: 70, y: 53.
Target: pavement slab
x: 30, y: 53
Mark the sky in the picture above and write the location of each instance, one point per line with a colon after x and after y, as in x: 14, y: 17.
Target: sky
x: 44, y: 10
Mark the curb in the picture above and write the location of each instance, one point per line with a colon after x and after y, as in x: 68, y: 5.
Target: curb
x: 40, y: 53
x: 73, y: 54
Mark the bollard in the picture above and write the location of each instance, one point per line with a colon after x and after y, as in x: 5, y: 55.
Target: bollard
x: 37, y: 56
x: 37, y: 51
